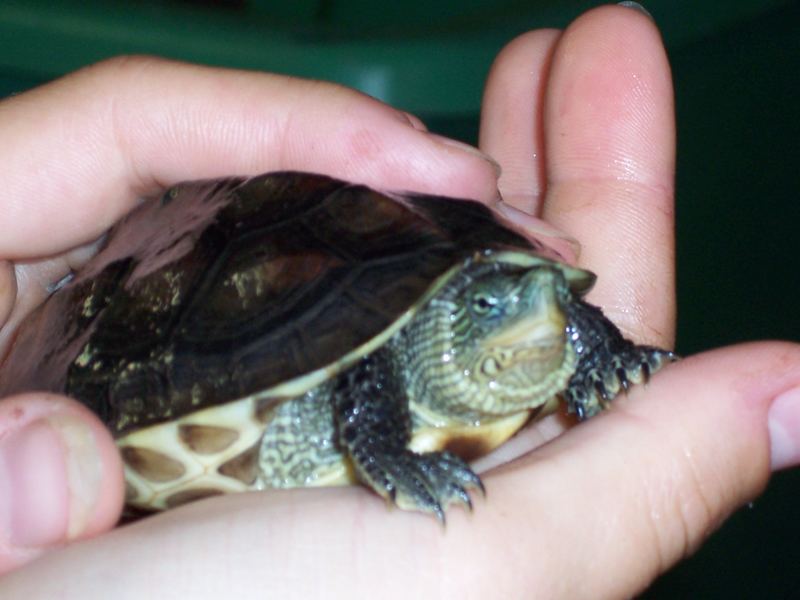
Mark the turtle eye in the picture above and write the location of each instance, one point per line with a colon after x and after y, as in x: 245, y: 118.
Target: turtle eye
x: 483, y: 304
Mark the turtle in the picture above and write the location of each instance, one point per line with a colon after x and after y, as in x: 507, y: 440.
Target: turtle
x: 292, y: 329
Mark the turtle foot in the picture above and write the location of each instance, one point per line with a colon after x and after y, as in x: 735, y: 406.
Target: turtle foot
x: 608, y: 363
x: 427, y: 482
x: 591, y: 389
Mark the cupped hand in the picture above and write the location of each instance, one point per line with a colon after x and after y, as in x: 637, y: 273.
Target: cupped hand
x: 77, y: 154
x: 581, y: 122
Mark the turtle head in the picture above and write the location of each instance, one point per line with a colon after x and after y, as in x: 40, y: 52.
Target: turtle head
x: 509, y: 335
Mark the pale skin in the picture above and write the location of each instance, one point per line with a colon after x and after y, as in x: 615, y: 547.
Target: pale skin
x: 581, y: 122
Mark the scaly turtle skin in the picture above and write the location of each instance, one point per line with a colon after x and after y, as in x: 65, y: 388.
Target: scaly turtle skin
x: 295, y: 330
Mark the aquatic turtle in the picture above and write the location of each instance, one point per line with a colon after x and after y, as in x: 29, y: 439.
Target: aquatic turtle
x: 295, y: 330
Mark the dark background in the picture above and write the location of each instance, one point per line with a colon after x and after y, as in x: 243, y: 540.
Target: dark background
x: 735, y: 66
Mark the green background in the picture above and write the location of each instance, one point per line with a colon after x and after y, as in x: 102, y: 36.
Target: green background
x: 735, y: 66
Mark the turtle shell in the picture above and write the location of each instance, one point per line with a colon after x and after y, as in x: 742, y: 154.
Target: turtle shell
x: 222, y: 289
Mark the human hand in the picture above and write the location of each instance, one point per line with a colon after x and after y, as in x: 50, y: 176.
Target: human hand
x: 599, y: 511
x: 76, y: 155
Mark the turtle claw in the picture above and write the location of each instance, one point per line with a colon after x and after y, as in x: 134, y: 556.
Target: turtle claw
x: 645, y: 373
x: 462, y: 496
x: 427, y: 483
x: 622, y: 376
x: 592, y: 388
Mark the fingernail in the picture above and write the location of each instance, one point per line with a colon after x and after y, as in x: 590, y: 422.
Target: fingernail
x: 462, y: 147
x: 784, y: 430
x: 8, y: 290
x: 50, y: 476
x: 566, y: 245
x: 636, y: 6
x: 414, y: 121
x: 84, y: 471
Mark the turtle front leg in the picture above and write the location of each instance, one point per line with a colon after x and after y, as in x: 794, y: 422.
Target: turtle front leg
x: 374, y: 428
x: 607, y: 362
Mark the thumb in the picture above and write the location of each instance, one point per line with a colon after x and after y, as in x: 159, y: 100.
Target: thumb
x: 60, y: 476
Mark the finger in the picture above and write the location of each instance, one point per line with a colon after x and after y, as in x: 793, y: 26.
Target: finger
x: 609, y: 135
x: 84, y: 147
x: 60, y: 476
x: 511, y: 117
x: 23, y: 286
x: 597, y: 513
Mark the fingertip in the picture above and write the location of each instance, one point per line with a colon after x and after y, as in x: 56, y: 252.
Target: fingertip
x: 610, y: 101
x: 511, y: 119
x: 784, y: 430
x: 61, y: 476
x: 95, y: 475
